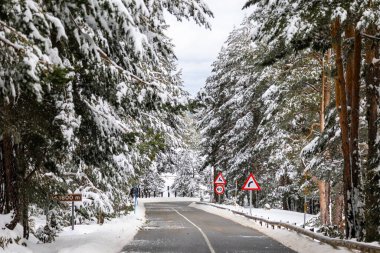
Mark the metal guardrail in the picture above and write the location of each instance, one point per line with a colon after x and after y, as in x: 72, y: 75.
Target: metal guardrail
x: 363, y: 247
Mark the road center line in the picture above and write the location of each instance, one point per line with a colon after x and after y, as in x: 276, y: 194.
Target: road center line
x: 200, y: 230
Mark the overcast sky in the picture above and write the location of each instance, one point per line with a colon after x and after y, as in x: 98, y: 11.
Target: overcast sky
x: 197, y: 47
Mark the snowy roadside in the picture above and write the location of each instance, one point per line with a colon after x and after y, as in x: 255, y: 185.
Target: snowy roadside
x: 293, y: 240
x: 107, y: 238
x: 274, y: 214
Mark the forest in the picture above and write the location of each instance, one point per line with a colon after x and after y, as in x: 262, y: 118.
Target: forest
x: 294, y: 98
x: 92, y: 103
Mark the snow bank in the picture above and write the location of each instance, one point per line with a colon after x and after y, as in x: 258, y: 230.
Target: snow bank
x: 274, y: 214
x: 15, y: 248
x: 112, y: 236
x: 293, y: 240
x: 11, y: 235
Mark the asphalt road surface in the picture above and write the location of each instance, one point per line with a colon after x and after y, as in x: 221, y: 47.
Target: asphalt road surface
x: 176, y: 227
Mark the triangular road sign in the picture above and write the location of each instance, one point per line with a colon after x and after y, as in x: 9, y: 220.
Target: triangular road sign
x: 251, y: 184
x: 220, y: 179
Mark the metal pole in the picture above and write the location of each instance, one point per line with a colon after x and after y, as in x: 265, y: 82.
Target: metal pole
x: 219, y: 198
x: 72, y: 215
x: 236, y: 193
x: 250, y: 202
x: 212, y: 185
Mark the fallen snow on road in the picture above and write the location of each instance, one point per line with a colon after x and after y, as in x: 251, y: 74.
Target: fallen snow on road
x: 293, y: 240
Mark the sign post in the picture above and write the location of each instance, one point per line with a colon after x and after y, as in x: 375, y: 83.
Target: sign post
x: 69, y: 198
x: 72, y: 215
x: 251, y: 185
x: 219, y: 189
x: 236, y: 193
x: 250, y: 203
x: 211, y: 181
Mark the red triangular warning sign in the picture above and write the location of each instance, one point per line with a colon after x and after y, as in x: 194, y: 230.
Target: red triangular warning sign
x: 251, y: 184
x: 220, y: 179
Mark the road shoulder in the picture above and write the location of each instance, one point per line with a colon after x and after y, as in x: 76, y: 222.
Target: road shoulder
x: 289, y: 239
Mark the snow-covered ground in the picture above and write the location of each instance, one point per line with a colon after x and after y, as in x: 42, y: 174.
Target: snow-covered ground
x: 113, y: 235
x: 274, y: 214
x: 94, y: 238
x: 293, y: 240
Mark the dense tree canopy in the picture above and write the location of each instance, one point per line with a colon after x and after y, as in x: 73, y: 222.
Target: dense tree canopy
x: 286, y: 101
x: 90, y: 98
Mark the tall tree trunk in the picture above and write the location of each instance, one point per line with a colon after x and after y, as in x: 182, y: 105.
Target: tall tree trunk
x: 372, y: 183
x: 323, y: 185
x: 337, y: 217
x: 10, y: 185
x: 343, y: 122
x: 324, y: 201
x: 9, y: 177
x: 357, y: 192
x: 2, y: 180
x: 353, y: 98
x: 23, y: 181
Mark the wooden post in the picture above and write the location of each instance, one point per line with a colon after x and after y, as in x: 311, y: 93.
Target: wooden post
x: 72, y: 215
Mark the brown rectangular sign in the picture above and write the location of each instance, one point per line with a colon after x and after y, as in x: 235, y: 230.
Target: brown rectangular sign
x: 68, y: 197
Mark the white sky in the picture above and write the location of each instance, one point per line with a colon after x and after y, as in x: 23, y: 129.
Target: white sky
x: 197, y: 47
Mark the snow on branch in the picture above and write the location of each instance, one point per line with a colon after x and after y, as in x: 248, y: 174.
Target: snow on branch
x: 17, y: 33
x: 9, y: 43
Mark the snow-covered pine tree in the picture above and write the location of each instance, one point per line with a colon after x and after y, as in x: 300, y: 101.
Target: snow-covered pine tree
x: 284, y: 128
x: 103, y: 73
x: 289, y: 25
x: 188, y: 161
x: 252, y: 121
x: 229, y: 118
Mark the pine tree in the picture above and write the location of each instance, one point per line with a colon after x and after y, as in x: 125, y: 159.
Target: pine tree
x: 252, y: 121
x: 299, y: 24
x: 188, y: 161
x: 95, y: 95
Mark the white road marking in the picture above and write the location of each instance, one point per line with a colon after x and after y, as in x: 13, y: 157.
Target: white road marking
x: 200, y: 230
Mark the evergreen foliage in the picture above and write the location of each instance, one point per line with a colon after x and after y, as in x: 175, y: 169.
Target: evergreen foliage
x: 188, y: 162
x: 289, y: 107
x: 90, y: 100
